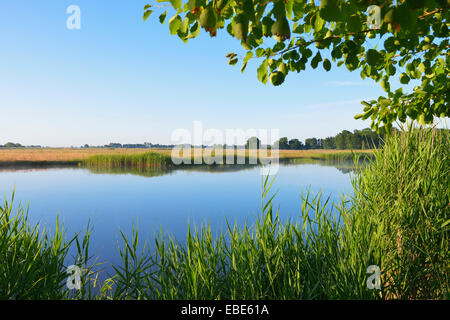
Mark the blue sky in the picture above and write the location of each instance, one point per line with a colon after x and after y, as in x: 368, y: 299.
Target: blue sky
x: 119, y: 79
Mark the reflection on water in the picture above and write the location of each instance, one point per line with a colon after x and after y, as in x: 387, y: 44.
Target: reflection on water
x: 156, y: 172
x: 166, y: 199
x: 345, y: 166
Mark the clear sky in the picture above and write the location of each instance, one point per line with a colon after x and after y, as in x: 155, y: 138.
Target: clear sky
x: 118, y: 79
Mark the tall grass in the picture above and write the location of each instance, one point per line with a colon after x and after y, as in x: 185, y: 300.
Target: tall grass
x: 343, y: 156
x: 397, y: 219
x: 406, y: 191
x: 313, y: 258
x: 149, y: 162
x: 33, y: 260
x: 146, y: 160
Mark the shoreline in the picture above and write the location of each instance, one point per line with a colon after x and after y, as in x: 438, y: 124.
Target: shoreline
x: 21, y: 157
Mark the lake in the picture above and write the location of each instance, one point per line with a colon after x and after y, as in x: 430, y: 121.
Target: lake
x: 116, y: 201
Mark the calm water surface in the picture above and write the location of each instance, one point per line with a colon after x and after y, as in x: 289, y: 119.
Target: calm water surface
x: 113, y: 202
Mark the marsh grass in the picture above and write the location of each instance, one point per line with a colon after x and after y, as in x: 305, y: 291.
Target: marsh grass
x: 312, y: 258
x: 33, y: 260
x: 344, y: 156
x: 48, y: 157
x: 145, y: 160
x: 397, y: 219
x: 149, y: 162
x: 156, y: 172
x: 406, y: 190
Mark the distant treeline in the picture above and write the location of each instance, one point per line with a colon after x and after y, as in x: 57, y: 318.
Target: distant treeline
x: 16, y: 145
x: 144, y: 145
x: 358, y: 139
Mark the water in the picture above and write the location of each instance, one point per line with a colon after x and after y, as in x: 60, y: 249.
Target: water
x: 113, y: 202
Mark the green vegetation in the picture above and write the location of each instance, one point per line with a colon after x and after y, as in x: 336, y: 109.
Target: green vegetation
x: 410, y: 43
x: 397, y: 219
x: 11, y: 145
x: 344, y: 156
x: 145, y: 162
x: 141, y: 161
x: 155, y: 172
x: 405, y: 192
x: 359, y: 139
x: 154, y: 164
x: 32, y: 260
x: 343, y: 165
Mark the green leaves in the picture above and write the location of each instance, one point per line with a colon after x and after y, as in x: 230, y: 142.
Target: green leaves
x: 176, y: 4
x: 208, y: 18
x: 315, y: 61
x: 404, y: 16
x: 385, y: 84
x: 262, y: 71
x: 354, y: 23
x: 174, y: 24
x: 326, y: 64
x: 373, y: 57
x: 329, y: 10
x: 276, y: 78
x: 283, y: 68
x: 147, y: 14
x: 240, y: 26
x: 248, y: 56
x: 162, y: 17
x: 195, y: 30
x: 232, y: 60
x: 412, y: 42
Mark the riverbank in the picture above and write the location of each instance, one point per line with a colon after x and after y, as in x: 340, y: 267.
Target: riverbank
x: 67, y: 157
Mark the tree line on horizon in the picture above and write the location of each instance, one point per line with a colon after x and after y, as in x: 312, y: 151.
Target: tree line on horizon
x: 358, y: 140
x: 16, y: 145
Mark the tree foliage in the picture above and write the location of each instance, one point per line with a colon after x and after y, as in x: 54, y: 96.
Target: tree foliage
x: 253, y: 143
x: 356, y: 140
x: 411, y: 44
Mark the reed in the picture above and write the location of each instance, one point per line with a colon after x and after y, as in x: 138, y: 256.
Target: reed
x: 33, y: 260
x: 147, y: 160
x: 72, y: 157
x: 405, y: 191
x: 344, y: 156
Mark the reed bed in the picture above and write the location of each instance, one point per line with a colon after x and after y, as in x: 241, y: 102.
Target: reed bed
x: 397, y: 219
x: 156, y: 161
x: 344, y: 156
x: 49, y: 156
x: 65, y: 154
x: 32, y: 259
x: 147, y: 160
